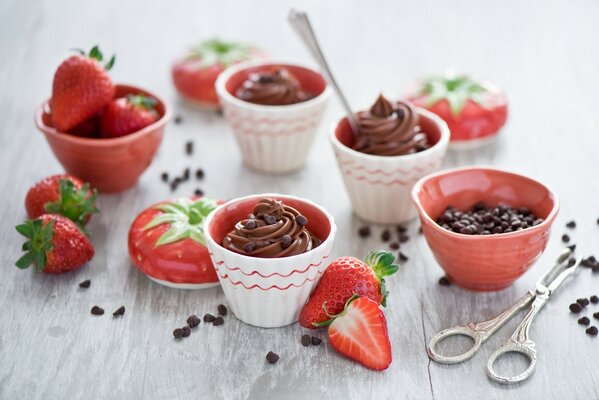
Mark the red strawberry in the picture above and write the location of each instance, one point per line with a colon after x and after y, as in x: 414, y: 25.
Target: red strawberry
x: 55, y: 245
x: 62, y: 194
x: 359, y: 332
x: 127, y: 115
x: 343, y: 278
x: 81, y: 88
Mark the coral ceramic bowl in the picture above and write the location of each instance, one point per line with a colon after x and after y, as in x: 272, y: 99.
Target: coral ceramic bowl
x: 110, y: 165
x: 268, y: 292
x: 489, y: 262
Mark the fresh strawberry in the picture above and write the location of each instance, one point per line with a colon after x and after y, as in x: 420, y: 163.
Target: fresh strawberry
x: 359, y: 332
x: 129, y: 114
x: 55, y: 245
x: 62, y: 194
x: 90, y: 128
x: 81, y: 88
x: 345, y: 277
x: 194, y: 75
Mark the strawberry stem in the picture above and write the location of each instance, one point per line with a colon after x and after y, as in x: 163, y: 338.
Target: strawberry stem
x: 76, y: 205
x: 38, y: 245
x: 382, y: 265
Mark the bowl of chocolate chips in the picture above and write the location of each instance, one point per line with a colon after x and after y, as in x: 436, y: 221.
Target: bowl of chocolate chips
x: 485, y: 226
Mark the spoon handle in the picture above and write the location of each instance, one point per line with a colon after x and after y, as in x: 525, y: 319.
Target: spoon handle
x: 301, y: 23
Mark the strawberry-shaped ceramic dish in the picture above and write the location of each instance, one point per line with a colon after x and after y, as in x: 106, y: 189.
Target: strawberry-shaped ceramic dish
x: 112, y: 164
x: 492, y: 261
x: 475, y: 109
x: 166, y: 242
x: 194, y: 74
x: 397, y: 145
x: 269, y: 251
x: 274, y: 110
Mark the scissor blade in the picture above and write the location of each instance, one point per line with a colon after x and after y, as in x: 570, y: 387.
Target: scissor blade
x: 562, y: 277
x: 557, y: 267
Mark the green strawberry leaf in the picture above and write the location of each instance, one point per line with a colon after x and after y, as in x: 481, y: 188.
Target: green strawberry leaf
x: 215, y: 51
x: 25, y: 229
x: 25, y: 261
x: 76, y: 205
x: 38, y: 245
x: 382, y: 264
x: 456, y: 90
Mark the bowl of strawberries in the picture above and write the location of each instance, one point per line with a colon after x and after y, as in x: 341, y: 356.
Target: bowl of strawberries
x: 107, y: 134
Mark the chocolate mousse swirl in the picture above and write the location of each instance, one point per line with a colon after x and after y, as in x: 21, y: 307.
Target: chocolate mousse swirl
x: 272, y: 230
x: 390, y: 129
x: 272, y: 88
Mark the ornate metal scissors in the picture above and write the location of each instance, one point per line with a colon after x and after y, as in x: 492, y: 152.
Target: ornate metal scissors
x: 519, y: 342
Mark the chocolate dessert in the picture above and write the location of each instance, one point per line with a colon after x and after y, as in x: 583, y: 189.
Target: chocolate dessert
x: 272, y: 88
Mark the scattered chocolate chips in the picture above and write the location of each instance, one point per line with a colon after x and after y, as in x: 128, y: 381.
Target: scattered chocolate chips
x: 222, y: 309
x: 249, y: 247
x: 364, y: 231
x: 209, y: 317
x: 583, y: 302
x: 193, y: 321
x: 186, y: 174
x: 394, y: 245
x: 178, y: 119
x: 443, y: 281
x: 164, y: 177
x: 97, y: 310
x: 403, y: 238
x: 199, y: 174
x: 565, y: 238
x: 571, y: 224
x: 575, y: 308
x: 306, y: 340
x: 592, y: 331
x: 584, y: 321
x: 186, y: 331
x: 402, y: 257
x: 198, y: 192
x: 286, y: 241
x: 85, y: 284
x: 596, y: 315
x: 386, y: 235
x: 301, y: 220
x: 119, y: 311
x: 571, y: 262
x: 218, y: 321
x: 178, y: 333
x: 594, y: 299
x: 401, y: 229
x: 189, y: 148
x: 272, y: 358
x: 315, y: 341
x: 481, y: 220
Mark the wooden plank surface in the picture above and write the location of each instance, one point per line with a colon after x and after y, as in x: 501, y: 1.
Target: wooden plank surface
x: 544, y: 54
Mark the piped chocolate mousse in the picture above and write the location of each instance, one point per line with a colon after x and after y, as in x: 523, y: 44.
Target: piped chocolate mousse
x: 272, y: 230
x: 390, y: 129
x: 277, y: 87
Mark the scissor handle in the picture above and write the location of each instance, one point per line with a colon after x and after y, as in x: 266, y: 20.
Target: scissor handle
x: 461, y: 330
x: 527, y: 348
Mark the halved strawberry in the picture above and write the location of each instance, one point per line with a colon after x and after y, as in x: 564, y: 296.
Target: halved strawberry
x: 345, y: 277
x: 359, y: 332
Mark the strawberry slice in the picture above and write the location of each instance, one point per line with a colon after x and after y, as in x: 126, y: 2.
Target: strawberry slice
x: 359, y: 332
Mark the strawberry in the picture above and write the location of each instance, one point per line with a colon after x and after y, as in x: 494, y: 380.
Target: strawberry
x: 359, y: 332
x: 81, y: 88
x: 127, y: 115
x: 55, y: 245
x: 345, y: 277
x: 63, y: 194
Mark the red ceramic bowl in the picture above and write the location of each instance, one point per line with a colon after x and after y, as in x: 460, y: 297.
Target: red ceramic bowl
x: 490, y: 262
x: 110, y: 165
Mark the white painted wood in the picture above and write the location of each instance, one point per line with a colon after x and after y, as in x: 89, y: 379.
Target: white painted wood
x: 543, y: 53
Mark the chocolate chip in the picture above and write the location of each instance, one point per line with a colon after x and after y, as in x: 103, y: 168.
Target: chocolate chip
x: 178, y: 119
x: 402, y: 257
x: 209, y: 317
x: 315, y: 341
x: 575, y: 308
x: 178, y: 333
x: 222, y: 309
x: 584, y: 321
x: 592, y: 331
x: 403, y: 238
x: 594, y: 299
x: 199, y: 174
x: 119, y: 311
x: 301, y: 220
x: 565, y: 238
x: 597, y: 221
x: 583, y: 302
x: 571, y: 262
x: 85, y: 284
x: 443, y: 281
x: 218, y: 321
x: 164, y: 177
x: 174, y: 184
x: 571, y: 224
x: 193, y: 321
x: 189, y: 148
x: 596, y: 315
x: 186, y: 174
x: 198, y: 192
x: 97, y: 310
x: 251, y: 224
x: 286, y: 241
x: 186, y: 331
x: 306, y: 341
x: 270, y: 219
x: 272, y: 358
x: 572, y: 247
x: 249, y: 247
x: 364, y: 231
x: 386, y: 235
x: 420, y: 230
x: 401, y: 229
x: 394, y: 245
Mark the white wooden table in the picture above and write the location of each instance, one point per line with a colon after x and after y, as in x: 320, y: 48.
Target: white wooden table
x: 544, y: 54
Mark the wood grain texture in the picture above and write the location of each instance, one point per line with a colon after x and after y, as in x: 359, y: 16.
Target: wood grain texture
x: 544, y: 54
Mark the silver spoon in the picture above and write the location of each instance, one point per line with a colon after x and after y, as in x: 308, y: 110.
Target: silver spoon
x: 301, y: 23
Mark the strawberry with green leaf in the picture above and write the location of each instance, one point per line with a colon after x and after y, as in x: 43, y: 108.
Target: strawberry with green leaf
x: 166, y: 242
x: 63, y: 194
x: 127, y: 115
x: 194, y: 75
x: 343, y: 278
x: 472, y: 108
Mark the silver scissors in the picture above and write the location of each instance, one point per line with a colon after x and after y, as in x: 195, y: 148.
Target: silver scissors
x: 519, y: 342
